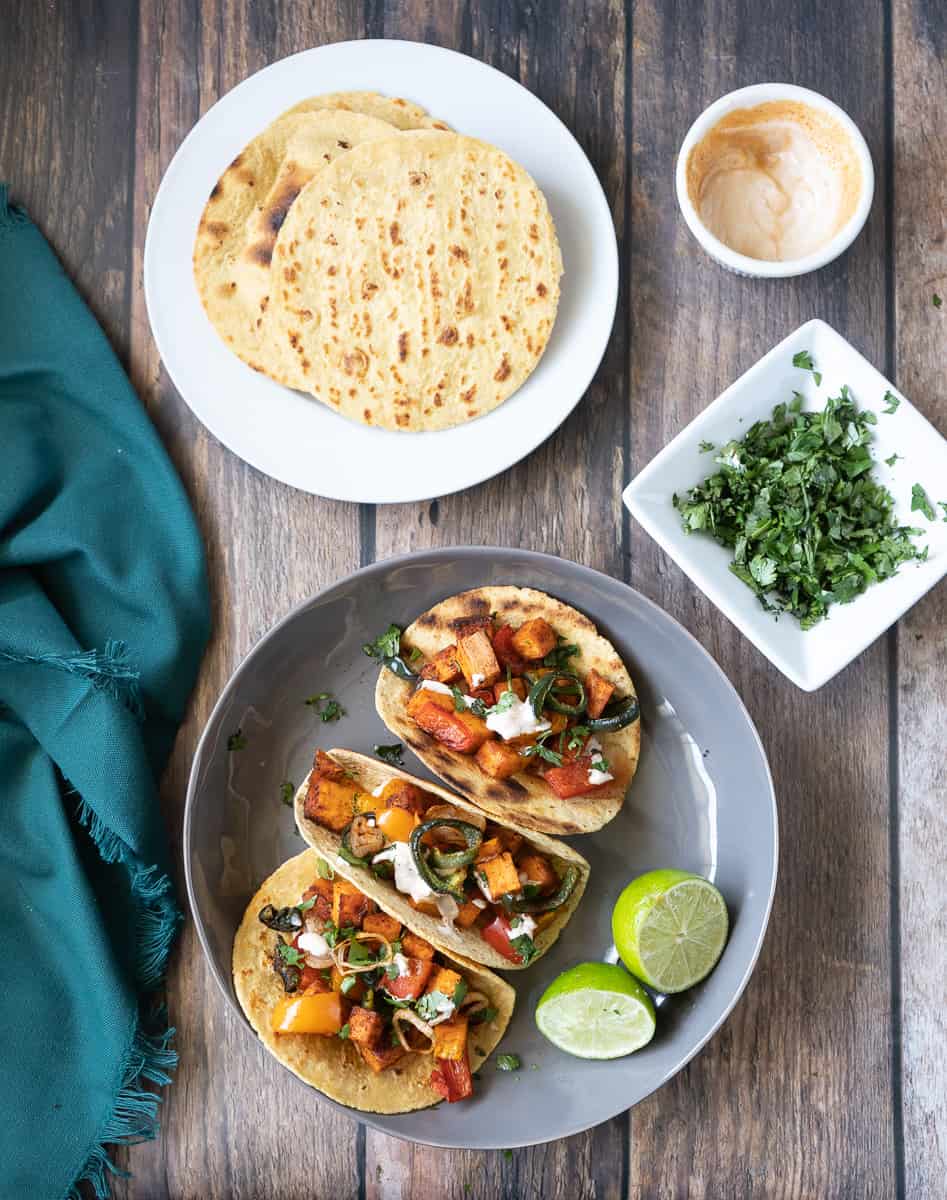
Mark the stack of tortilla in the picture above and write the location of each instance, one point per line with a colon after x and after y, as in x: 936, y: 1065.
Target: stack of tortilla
x: 359, y: 250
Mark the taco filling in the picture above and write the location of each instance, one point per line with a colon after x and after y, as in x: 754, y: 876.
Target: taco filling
x: 514, y: 700
x: 349, y: 971
x: 450, y: 862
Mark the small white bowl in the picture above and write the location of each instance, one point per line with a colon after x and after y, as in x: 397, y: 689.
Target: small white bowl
x: 808, y: 657
x: 742, y: 264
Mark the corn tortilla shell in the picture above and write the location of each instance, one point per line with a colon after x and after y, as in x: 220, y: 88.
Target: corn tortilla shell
x: 248, y: 205
x: 525, y: 798
x: 370, y: 773
x: 415, y: 283
x: 329, y: 1064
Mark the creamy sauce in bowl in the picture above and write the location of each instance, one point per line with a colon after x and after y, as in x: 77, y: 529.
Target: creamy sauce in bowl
x: 775, y: 182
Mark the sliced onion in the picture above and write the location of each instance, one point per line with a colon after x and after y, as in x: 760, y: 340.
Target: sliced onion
x: 406, y: 1014
x: 474, y: 1002
x: 347, y: 968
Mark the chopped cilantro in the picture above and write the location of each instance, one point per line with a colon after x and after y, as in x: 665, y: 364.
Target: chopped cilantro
x: 525, y: 947
x: 459, y: 992
x: 704, y: 447
x: 541, y: 750
x: 289, y: 954
x: 796, y: 503
x: 305, y: 905
x: 414, y: 654
x: 323, y: 870
x: 287, y: 791
x: 347, y: 984
x: 920, y: 502
x: 428, y: 1006
x: 803, y: 360
x: 393, y: 755
x: 559, y: 657
x: 505, y: 703
x: 386, y: 645
x: 360, y: 953
x: 508, y: 1062
x: 936, y: 300
x: 508, y: 1155
x: 328, y: 708
x: 481, y: 1016
x: 892, y: 460
x: 344, y: 1031
x: 943, y: 504
x: 236, y: 741
x: 891, y: 404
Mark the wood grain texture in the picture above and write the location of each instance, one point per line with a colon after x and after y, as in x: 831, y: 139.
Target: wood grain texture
x: 828, y: 1079
x: 919, y: 271
x: 767, y: 1109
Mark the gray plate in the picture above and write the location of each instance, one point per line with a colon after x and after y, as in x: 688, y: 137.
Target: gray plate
x: 702, y: 800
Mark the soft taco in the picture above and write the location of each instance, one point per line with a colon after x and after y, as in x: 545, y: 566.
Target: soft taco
x: 354, y: 1002
x: 516, y: 700
x: 487, y: 889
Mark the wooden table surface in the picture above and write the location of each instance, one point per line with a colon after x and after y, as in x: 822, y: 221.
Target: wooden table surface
x: 829, y: 1077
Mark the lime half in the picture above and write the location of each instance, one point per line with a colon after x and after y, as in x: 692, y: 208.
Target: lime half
x: 670, y: 928
x: 596, y: 1010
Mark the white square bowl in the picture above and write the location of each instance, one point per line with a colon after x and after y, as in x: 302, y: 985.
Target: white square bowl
x: 808, y: 657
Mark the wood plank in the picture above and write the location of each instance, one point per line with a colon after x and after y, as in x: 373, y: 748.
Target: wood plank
x: 794, y: 1097
x: 232, y: 1114
x: 74, y: 176
x: 919, y: 271
x: 563, y: 499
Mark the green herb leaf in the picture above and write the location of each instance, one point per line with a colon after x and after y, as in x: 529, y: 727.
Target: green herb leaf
x: 803, y: 360
x: 344, y: 1031
x: 460, y: 704
x: 891, y: 404
x: 427, y: 1007
x: 328, y: 708
x: 393, y: 755
x: 704, y: 447
x: 323, y: 870
x: 920, y: 502
x: 414, y: 654
x: 305, y: 905
x: 236, y: 741
x: 540, y: 749
x: 287, y: 791
x: 525, y: 947
x: 348, y: 982
x: 936, y: 300
x: 289, y: 954
x: 386, y: 645
x: 460, y: 991
x: 559, y: 657
x: 892, y: 460
x: 483, y: 1015
x: 505, y: 703
x: 508, y: 1062
x: 508, y: 1155
x: 943, y: 504
x: 796, y: 503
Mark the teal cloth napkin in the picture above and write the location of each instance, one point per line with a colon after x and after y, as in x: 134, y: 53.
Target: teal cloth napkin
x: 103, y: 620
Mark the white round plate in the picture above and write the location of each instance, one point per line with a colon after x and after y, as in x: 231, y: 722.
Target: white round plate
x: 293, y: 437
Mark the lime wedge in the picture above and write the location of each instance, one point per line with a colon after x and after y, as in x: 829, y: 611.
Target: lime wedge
x: 670, y: 928
x: 596, y: 1010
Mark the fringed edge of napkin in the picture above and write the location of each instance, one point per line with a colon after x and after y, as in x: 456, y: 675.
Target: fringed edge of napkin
x: 149, y: 1058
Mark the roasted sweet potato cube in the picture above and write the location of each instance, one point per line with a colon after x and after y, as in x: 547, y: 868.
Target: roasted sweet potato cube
x: 443, y: 980
x: 539, y: 871
x: 425, y: 906
x: 416, y: 947
x: 327, y: 767
x: 423, y: 697
x: 467, y: 915
x: 516, y: 685
x: 365, y: 1026
x: 399, y: 793
x: 380, y: 1057
x: 489, y: 848
x: 321, y: 890
x: 349, y: 906
x: 476, y: 659
x: 498, y: 760
x: 598, y: 692
x: 502, y: 875
x: 382, y: 924
x: 571, y: 779
x: 505, y: 652
x: 450, y: 1038
x: 509, y: 840
x: 534, y: 639
x: 460, y: 731
x: 443, y: 666
x: 330, y: 803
